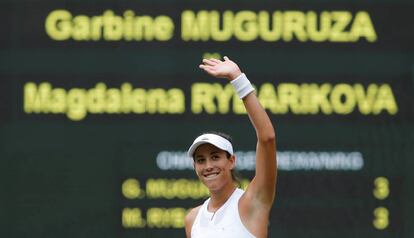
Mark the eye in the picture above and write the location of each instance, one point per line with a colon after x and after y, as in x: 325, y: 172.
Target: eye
x: 215, y: 157
x: 200, y: 160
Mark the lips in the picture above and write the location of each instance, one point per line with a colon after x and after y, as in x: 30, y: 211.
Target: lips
x: 210, y: 175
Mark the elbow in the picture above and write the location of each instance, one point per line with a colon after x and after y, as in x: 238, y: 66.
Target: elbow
x: 269, y: 137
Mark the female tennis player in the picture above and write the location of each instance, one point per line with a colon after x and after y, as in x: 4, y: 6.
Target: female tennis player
x: 231, y: 212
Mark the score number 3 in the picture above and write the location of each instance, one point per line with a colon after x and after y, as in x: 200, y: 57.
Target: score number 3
x: 381, y: 218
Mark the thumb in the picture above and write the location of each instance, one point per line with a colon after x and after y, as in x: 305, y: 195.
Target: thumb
x: 226, y: 58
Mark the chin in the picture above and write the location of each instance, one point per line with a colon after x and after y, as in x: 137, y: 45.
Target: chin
x: 211, y: 185
x: 214, y: 186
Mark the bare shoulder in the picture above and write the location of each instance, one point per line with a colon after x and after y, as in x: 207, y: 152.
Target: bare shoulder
x: 189, y: 220
x: 191, y: 215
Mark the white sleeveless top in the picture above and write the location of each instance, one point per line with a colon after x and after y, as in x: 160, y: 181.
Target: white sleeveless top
x: 224, y: 223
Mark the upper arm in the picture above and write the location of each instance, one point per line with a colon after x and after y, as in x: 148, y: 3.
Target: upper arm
x: 189, y: 220
x: 263, y: 185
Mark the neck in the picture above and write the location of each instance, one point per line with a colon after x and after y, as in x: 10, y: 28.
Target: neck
x: 218, y: 198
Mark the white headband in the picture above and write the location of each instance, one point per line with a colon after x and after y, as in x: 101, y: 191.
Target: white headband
x: 216, y: 140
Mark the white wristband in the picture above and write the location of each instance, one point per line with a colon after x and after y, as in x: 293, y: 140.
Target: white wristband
x: 242, y: 86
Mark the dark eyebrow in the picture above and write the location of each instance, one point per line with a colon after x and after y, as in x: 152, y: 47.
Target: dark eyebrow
x: 201, y: 156
x: 198, y: 156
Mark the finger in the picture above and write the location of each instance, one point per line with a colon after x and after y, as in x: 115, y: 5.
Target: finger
x: 208, y: 69
x: 216, y: 60
x: 209, y: 62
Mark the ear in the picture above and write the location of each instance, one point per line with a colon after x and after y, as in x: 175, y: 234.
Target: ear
x: 195, y: 168
x: 232, y: 160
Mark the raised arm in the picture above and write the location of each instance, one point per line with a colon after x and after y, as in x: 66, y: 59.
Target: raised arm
x: 260, y: 193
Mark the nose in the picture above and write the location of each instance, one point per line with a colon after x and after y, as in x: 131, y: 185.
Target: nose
x: 209, y: 165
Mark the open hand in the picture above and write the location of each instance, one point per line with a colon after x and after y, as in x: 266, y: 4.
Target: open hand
x: 221, y: 69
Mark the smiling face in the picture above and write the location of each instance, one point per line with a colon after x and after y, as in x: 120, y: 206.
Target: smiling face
x: 213, y: 167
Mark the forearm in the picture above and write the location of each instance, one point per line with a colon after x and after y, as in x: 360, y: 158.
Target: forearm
x: 259, y: 118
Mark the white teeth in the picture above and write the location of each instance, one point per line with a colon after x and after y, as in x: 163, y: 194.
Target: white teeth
x: 211, y: 175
